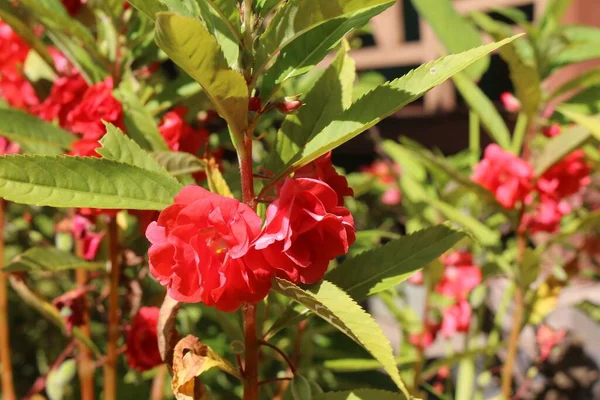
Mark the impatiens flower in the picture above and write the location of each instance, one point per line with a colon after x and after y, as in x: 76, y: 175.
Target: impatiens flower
x: 460, y: 277
x: 547, y: 338
x: 201, y: 251
x: 456, y: 318
x: 72, y: 306
x: 546, y: 216
x: 510, y: 102
x: 323, y: 170
x: 142, y: 351
x: 391, y: 197
x: 65, y: 95
x: 179, y: 135
x: 96, y: 106
x: 425, y: 338
x: 18, y: 92
x: 13, y: 52
x: 551, y: 130
x: 7, y: 147
x: 382, y: 171
x: 82, y: 229
x: 305, y: 229
x: 505, y: 175
x: 565, y: 178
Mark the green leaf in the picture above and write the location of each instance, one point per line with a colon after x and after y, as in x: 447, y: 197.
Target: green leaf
x: 340, y: 310
x: 382, y: 268
x: 118, y: 147
x: 59, y: 378
x: 187, y: 8
x: 359, y: 394
x: 65, y: 181
x: 304, y: 52
x: 591, y: 123
x: 521, y: 63
x: 187, y: 42
x: 384, y: 101
x: 222, y: 20
x: 322, y: 103
x: 580, y: 33
x: 553, y: 14
x: 298, y: 16
x: 559, y: 147
x: 139, y: 122
x: 49, y: 259
x: 179, y: 163
x: 586, y: 102
x: 583, y: 81
x: 465, y: 384
x: 362, y: 364
x: 149, y: 7
x: 33, y: 134
x: 215, y: 180
x: 484, y: 108
x: 91, y: 70
x: 590, y: 309
x: 576, y: 53
x: 454, y: 31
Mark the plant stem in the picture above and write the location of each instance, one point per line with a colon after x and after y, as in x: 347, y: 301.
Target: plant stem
x: 8, y: 389
x: 110, y: 366
x: 474, y: 135
x: 85, y: 364
x: 158, y: 383
x: 519, y: 133
x: 251, y: 358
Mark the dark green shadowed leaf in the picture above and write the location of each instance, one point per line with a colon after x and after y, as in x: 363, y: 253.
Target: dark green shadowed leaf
x: 179, y: 163
x: 49, y: 259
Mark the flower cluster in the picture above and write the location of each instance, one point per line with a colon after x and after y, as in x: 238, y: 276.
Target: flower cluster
x: 460, y: 277
x: 511, y: 180
x: 386, y: 175
x: 211, y: 249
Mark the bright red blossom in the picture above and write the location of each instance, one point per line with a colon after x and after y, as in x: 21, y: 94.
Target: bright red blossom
x: 546, y: 216
x: 13, y: 52
x: 505, y: 175
x: 201, y: 251
x: 179, y: 135
x: 18, y: 92
x: 305, y: 229
x: 323, y: 170
x: 456, y: 318
x: 565, y: 178
x: 7, y: 147
x: 65, y: 95
x: 142, y: 340
x: 460, y: 275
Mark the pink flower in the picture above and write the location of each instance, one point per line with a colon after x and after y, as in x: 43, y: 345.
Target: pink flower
x: 456, y: 318
x: 391, y: 197
x: 7, y: 147
x: 82, y: 229
x: 551, y: 130
x: 546, y: 217
x: 305, y: 229
x: 142, y: 351
x: 547, y: 338
x: 179, y: 135
x: 416, y: 278
x: 565, y: 178
x: 323, y: 170
x: 13, y: 52
x: 510, y: 102
x: 201, y: 251
x: 18, y: 92
x: 460, y: 277
x: 508, y: 177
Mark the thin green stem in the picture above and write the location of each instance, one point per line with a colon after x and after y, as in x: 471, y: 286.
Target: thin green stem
x: 8, y: 389
x: 474, y: 135
x: 519, y: 133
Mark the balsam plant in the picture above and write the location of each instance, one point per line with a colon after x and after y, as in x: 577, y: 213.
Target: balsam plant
x: 259, y: 246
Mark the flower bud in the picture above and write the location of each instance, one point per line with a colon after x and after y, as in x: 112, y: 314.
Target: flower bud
x: 254, y: 104
x: 551, y: 131
x: 510, y: 102
x: 289, y: 106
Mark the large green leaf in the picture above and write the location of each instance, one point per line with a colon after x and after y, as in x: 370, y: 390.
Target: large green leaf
x: 337, y: 308
x: 188, y: 8
x: 327, y: 98
x: 359, y: 394
x: 222, y: 19
x: 49, y: 259
x: 149, y: 7
x: 554, y: 12
x: 179, y: 163
x: 484, y: 108
x: 384, y: 101
x: 139, y: 122
x: 298, y: 16
x: 303, y: 53
x: 188, y: 43
x: 33, y: 134
x: 591, y: 123
x: 118, y: 147
x: 65, y: 181
x: 454, y: 31
x: 559, y: 147
x: 521, y: 63
x: 382, y: 268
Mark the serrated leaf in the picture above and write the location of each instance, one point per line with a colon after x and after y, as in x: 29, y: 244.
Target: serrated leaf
x: 384, y: 267
x: 521, y: 63
x: 559, y: 147
x: 149, y: 7
x: 66, y: 181
x: 484, y: 108
x: 337, y: 308
x: 359, y: 394
x: 33, y: 134
x: 323, y: 102
x: 118, y: 147
x: 179, y: 163
x: 298, y: 16
x: 139, y: 122
x: 591, y: 123
x: 215, y: 180
x: 304, y: 52
x: 187, y: 42
x: 384, y: 101
x: 49, y: 259
x: 454, y: 31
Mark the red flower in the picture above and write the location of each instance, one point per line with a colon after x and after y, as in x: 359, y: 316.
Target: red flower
x: 566, y: 177
x: 72, y: 306
x: 323, y: 170
x: 7, y: 147
x: 73, y: 6
x: 13, y: 52
x: 382, y: 170
x: 460, y: 275
x: 97, y: 105
x: 510, y: 102
x: 142, y: 340
x: 179, y: 135
x: 425, y: 338
x: 505, y: 175
x: 456, y: 318
x: 551, y: 130
x: 65, y: 96
x: 82, y: 229
x: 305, y: 229
x: 547, y: 338
x: 201, y: 251
x: 18, y: 92
x: 546, y: 217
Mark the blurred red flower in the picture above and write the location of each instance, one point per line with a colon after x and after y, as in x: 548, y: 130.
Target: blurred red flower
x: 142, y: 351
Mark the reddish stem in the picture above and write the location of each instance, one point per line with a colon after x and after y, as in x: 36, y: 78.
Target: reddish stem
x: 281, y: 353
x: 8, y: 389
x: 251, y: 359
x: 110, y: 366
x: 158, y: 383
